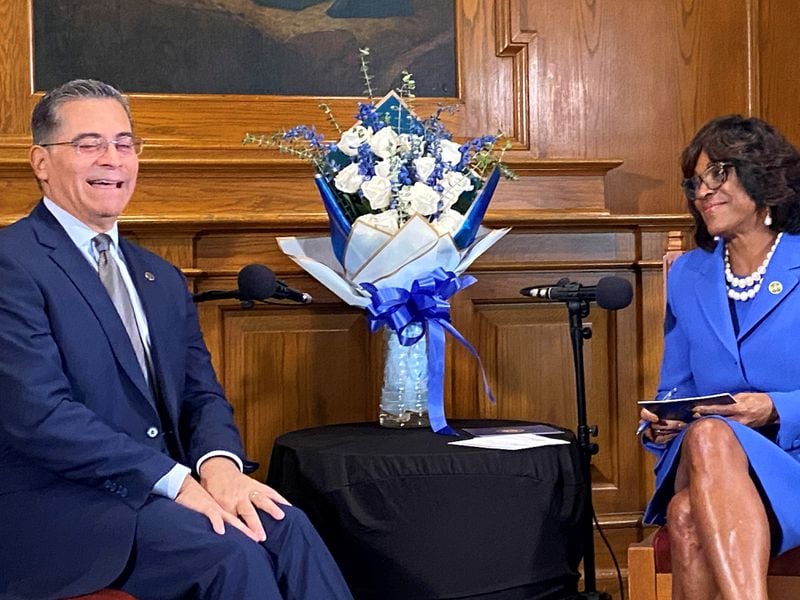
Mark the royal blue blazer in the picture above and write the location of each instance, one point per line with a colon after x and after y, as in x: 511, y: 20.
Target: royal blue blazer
x: 704, y: 355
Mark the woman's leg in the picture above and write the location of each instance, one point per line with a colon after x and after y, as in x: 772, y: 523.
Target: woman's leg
x: 727, y: 513
x: 692, y: 578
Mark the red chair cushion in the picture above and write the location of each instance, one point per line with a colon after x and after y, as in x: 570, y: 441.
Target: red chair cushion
x: 787, y: 564
x: 105, y: 595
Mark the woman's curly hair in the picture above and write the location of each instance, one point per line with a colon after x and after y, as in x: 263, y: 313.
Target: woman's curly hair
x: 767, y: 165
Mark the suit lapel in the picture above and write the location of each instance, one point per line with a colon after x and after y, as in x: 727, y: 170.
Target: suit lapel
x: 712, y: 297
x: 780, y: 279
x: 69, y: 259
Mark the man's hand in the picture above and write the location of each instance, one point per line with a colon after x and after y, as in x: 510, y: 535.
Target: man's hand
x: 193, y: 496
x: 240, y: 495
x: 753, y: 409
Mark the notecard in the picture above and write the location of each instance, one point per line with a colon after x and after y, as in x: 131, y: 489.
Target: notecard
x: 515, y: 441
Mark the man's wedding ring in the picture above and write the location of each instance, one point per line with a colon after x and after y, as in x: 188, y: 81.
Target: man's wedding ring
x: 253, y: 495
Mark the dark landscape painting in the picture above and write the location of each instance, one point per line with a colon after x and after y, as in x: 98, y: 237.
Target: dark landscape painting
x: 284, y: 47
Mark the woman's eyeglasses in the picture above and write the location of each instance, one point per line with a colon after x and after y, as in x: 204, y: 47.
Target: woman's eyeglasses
x: 714, y: 175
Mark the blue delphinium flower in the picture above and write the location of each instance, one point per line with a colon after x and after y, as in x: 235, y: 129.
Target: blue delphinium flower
x: 369, y: 117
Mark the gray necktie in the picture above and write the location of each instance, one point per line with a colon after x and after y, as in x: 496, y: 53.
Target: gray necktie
x: 112, y: 280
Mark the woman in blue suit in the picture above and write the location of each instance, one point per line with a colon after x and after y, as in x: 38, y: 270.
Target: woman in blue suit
x: 728, y: 481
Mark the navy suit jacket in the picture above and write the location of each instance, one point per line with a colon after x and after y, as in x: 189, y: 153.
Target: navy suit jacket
x: 76, y: 460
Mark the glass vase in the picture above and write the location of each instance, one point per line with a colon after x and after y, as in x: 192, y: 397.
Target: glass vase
x: 404, y: 397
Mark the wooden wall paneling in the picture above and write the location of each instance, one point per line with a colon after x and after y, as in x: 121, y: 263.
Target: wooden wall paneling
x: 288, y: 368
x: 15, y: 51
x: 634, y: 81
x: 777, y: 47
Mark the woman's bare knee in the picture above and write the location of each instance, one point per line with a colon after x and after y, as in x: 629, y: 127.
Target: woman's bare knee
x: 709, y: 445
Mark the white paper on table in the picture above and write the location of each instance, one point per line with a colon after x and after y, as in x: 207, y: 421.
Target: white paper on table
x: 514, y: 441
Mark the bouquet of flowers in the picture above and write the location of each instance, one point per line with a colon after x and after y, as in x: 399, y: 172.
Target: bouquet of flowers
x: 405, y: 203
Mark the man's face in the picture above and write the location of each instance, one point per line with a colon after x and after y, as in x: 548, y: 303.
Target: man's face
x: 94, y: 187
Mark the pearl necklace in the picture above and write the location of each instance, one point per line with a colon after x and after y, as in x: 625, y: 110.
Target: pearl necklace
x: 745, y: 288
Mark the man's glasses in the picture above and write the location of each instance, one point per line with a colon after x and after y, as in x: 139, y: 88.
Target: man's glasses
x: 713, y: 177
x: 95, y: 146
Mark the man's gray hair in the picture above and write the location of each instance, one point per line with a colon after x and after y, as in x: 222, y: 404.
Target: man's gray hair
x: 45, y: 120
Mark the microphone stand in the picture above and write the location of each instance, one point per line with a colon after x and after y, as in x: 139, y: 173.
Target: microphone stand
x: 578, y: 309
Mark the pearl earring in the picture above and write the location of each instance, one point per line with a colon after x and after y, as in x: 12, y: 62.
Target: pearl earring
x: 768, y: 219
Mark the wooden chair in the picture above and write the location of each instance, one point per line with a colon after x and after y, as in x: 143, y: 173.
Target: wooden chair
x: 650, y: 571
x: 650, y: 561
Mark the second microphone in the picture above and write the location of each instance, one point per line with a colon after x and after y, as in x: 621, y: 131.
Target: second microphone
x: 256, y: 283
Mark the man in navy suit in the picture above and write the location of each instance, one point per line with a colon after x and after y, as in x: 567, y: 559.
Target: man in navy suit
x: 120, y: 464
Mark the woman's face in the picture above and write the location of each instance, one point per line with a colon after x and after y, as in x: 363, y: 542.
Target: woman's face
x: 727, y: 211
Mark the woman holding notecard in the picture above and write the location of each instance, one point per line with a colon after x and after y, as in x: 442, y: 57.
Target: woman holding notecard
x: 728, y: 479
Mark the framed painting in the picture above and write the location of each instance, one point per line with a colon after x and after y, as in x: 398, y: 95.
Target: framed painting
x: 274, y: 47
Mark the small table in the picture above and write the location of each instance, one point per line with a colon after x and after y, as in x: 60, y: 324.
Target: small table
x: 407, y: 516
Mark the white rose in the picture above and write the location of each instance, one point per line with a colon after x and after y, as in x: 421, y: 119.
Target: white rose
x: 383, y: 168
x: 348, y: 180
x: 448, y: 222
x: 450, y: 152
x: 387, y: 221
x: 378, y: 191
x: 424, y: 167
x: 384, y: 142
x: 408, y: 142
x: 421, y: 199
x: 454, y: 183
x: 353, y: 138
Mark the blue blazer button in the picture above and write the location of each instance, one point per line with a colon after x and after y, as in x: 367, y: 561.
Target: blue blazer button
x: 152, y: 432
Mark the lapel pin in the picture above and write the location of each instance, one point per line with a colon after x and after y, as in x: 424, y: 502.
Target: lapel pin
x: 150, y: 277
x: 775, y: 287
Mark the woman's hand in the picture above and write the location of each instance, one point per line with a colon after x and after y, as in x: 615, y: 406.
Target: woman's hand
x: 658, y: 430
x: 753, y: 409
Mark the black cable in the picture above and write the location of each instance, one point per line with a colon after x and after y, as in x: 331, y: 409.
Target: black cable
x: 611, y: 552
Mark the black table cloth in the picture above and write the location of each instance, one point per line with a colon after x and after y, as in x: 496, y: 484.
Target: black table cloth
x: 408, y: 516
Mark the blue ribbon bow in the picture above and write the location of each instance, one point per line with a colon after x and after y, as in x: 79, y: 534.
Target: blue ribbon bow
x: 426, y: 305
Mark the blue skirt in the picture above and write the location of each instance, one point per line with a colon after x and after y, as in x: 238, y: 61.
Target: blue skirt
x: 776, y: 472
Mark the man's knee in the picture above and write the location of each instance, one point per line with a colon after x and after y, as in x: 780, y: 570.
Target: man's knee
x: 294, y: 523
x: 178, y: 546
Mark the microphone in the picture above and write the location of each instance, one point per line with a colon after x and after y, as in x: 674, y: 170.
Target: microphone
x: 259, y: 283
x: 611, y: 293
x: 256, y: 283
